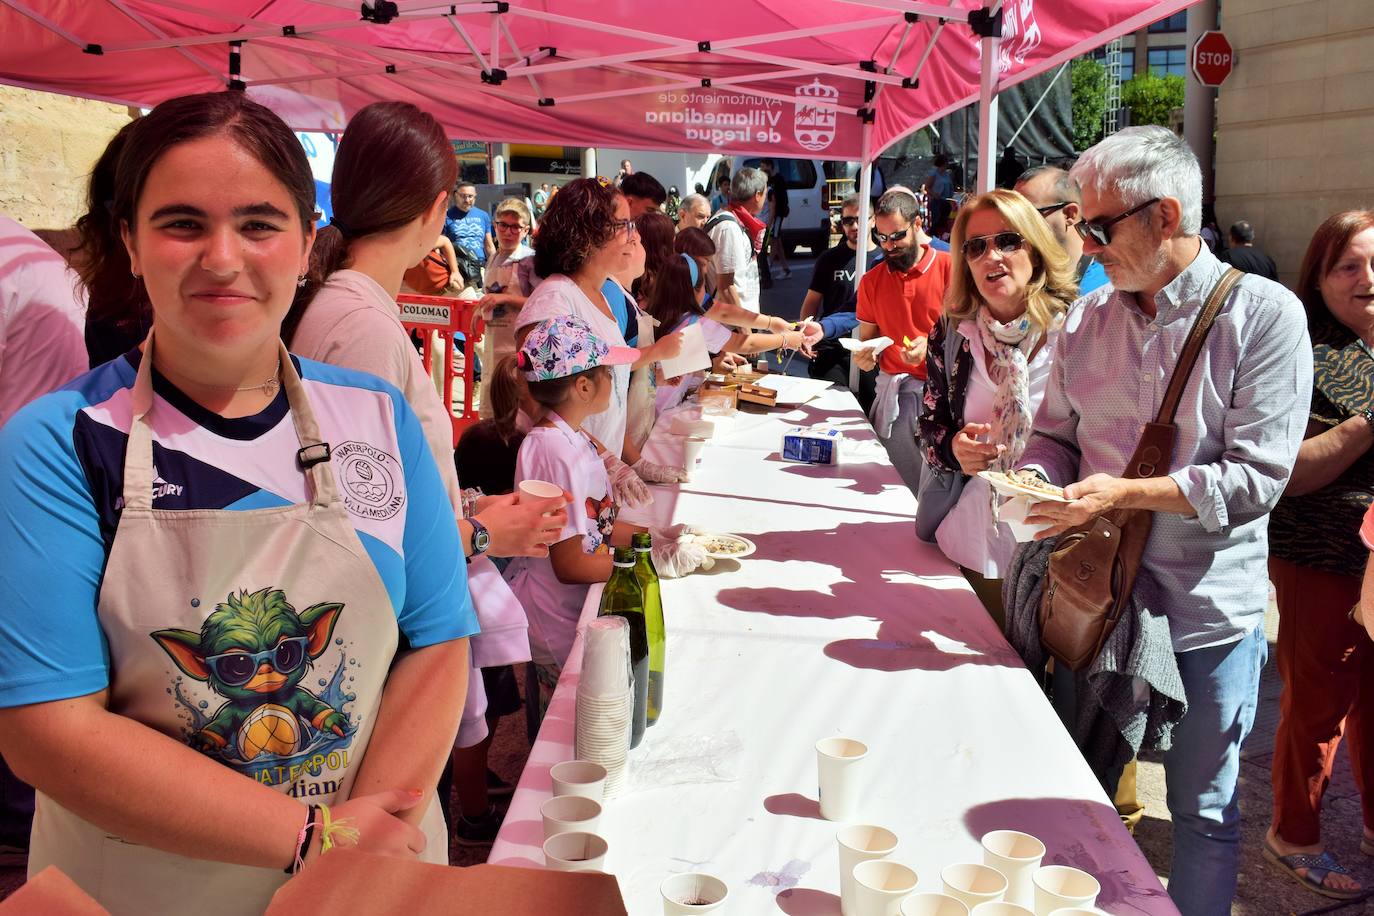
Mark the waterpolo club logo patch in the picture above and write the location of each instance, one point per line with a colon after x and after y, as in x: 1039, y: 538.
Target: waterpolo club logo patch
x: 370, y: 479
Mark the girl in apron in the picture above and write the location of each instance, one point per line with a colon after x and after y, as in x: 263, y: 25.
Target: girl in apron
x: 227, y: 601
x: 382, y: 218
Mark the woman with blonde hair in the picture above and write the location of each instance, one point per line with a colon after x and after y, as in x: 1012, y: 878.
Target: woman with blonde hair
x: 988, y: 362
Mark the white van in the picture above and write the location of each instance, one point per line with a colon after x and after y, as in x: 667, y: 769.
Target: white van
x: 808, y: 217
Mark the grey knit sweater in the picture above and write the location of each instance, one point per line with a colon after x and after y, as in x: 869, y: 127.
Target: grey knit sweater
x: 1131, y: 697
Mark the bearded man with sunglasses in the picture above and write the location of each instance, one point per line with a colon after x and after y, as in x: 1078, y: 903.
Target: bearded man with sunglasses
x: 900, y: 299
x: 1240, y: 422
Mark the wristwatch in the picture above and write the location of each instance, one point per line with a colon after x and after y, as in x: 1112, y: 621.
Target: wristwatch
x: 481, y: 539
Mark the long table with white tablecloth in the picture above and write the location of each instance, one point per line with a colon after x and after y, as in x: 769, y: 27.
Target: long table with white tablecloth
x: 842, y: 623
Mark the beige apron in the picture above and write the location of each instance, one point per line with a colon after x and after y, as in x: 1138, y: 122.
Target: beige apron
x: 640, y: 413
x: 255, y: 636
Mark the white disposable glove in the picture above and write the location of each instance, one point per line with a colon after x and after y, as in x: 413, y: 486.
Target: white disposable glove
x: 673, y: 533
x: 628, y: 489
x: 658, y: 473
x: 673, y: 559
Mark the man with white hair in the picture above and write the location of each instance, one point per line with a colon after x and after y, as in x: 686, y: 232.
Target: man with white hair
x: 1240, y: 422
x: 738, y: 234
x: 693, y: 212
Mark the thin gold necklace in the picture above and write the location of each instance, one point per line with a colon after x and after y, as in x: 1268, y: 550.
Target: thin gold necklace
x: 268, y: 388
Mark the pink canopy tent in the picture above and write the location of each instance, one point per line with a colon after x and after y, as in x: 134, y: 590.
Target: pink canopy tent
x: 829, y: 79
x: 832, y: 79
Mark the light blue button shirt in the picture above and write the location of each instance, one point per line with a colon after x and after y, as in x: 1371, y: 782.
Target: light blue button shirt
x: 1240, y: 422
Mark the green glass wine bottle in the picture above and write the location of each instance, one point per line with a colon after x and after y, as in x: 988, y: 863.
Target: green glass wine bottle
x: 653, y: 621
x: 624, y: 597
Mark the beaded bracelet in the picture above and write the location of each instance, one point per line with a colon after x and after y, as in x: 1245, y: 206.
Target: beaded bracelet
x: 470, y: 496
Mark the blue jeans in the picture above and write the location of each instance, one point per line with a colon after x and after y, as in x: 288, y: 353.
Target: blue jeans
x: 1202, y: 768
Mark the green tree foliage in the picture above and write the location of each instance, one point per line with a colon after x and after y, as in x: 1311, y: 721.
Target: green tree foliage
x: 1089, y: 80
x: 1151, y: 97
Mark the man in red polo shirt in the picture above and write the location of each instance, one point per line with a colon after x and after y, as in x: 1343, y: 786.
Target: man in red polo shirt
x: 901, y: 298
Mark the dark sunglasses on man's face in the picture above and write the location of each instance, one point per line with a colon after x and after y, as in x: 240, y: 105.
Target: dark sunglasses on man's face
x: 1097, y: 231
x: 847, y: 221
x: 1052, y: 209
x: 882, y: 238
x: 1005, y: 242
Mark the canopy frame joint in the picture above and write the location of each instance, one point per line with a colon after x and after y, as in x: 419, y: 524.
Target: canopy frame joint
x: 985, y: 24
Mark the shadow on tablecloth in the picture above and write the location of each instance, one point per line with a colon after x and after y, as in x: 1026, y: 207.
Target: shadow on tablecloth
x: 928, y: 623
x: 793, y: 804
x: 805, y: 901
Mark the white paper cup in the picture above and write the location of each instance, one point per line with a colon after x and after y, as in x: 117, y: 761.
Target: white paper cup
x: 579, y: 777
x: 692, y: 447
x: 570, y: 814
x: 973, y: 884
x: 1016, y: 855
x: 933, y: 905
x: 880, y: 886
x: 1059, y: 886
x: 860, y: 843
x: 1002, y: 908
x: 539, y: 489
x: 837, y: 764
x: 575, y: 851
x: 605, y: 659
x: 692, y: 892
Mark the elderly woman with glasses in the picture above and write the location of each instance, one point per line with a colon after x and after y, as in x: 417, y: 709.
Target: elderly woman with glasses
x: 585, y: 240
x: 988, y: 362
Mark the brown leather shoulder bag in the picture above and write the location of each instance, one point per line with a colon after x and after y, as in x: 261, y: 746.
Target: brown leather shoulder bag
x: 1092, y: 568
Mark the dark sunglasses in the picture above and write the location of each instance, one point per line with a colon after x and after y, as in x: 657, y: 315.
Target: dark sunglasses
x: 237, y: 668
x: 848, y: 221
x: 882, y: 238
x: 1005, y: 242
x: 1098, y: 231
x: 1053, y: 208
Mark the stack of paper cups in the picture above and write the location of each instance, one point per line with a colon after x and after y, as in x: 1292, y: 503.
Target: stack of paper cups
x: 605, y: 698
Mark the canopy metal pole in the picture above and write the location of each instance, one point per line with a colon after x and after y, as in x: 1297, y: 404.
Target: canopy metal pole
x: 861, y: 254
x: 1038, y: 102
x: 987, y: 115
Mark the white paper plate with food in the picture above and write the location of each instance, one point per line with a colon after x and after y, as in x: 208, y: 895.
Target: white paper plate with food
x: 1024, y: 483
x: 721, y: 546
x: 876, y: 344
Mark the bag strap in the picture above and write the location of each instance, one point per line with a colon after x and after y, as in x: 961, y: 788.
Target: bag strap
x: 1193, y: 345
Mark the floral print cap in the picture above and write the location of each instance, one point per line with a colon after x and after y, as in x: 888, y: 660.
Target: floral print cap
x: 566, y: 345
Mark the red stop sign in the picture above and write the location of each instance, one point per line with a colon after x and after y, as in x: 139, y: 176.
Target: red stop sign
x: 1213, y: 58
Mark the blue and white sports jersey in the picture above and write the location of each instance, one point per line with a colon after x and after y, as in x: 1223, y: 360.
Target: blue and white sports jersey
x: 62, y: 463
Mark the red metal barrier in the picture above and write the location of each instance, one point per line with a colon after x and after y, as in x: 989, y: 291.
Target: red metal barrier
x: 442, y: 316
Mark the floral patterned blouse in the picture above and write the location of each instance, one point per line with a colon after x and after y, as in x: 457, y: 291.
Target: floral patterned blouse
x: 942, y: 406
